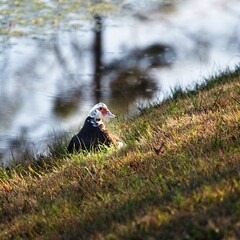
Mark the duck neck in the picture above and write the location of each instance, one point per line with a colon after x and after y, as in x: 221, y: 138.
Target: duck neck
x: 94, y: 121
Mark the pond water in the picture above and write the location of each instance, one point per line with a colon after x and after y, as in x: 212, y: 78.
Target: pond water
x: 58, y: 62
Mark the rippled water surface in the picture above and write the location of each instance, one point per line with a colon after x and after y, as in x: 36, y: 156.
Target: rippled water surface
x: 58, y: 58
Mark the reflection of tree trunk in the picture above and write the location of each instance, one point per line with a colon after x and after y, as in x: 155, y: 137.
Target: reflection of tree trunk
x: 97, y: 52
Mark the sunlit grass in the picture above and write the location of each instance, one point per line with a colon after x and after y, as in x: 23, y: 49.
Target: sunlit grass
x: 190, y: 191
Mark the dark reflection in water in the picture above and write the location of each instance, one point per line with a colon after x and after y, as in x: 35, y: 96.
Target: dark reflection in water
x: 51, y: 82
x: 132, y: 84
x: 67, y: 103
x: 97, y: 54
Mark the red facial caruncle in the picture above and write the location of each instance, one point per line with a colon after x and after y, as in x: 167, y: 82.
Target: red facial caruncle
x: 103, y: 110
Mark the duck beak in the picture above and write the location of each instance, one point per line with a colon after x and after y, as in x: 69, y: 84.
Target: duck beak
x: 110, y: 115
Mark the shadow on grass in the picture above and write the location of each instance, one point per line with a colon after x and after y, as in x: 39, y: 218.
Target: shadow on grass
x: 104, y: 220
x: 216, y: 222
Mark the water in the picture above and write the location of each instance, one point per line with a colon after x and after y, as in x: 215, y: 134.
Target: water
x: 48, y: 76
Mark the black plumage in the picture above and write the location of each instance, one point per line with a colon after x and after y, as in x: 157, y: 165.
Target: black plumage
x: 91, y: 137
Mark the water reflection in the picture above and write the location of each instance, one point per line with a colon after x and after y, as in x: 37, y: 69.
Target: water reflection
x: 97, y: 55
x: 141, y: 53
x: 67, y: 103
x: 132, y: 84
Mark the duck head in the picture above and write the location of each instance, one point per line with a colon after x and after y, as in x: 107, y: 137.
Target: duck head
x: 100, y: 111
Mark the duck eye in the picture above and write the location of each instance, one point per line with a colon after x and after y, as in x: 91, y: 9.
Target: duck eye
x: 100, y: 108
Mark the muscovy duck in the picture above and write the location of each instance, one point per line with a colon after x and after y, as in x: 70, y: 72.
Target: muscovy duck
x: 93, y: 133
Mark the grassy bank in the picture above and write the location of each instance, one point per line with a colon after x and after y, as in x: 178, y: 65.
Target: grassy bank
x: 190, y: 191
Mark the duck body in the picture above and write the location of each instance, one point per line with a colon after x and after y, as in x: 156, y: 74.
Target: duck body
x: 90, y: 137
x: 93, y: 133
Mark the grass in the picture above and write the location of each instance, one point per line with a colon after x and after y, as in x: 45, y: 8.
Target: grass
x: 190, y: 191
